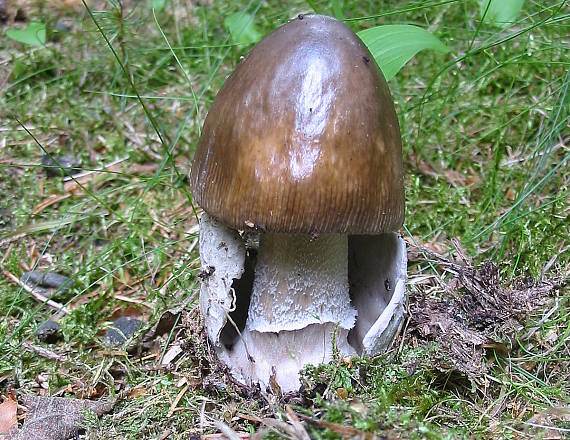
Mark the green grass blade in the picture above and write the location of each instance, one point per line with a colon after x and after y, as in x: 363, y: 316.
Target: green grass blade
x: 394, y: 45
x: 337, y: 10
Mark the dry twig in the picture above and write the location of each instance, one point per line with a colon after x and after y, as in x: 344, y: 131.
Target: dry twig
x: 41, y: 298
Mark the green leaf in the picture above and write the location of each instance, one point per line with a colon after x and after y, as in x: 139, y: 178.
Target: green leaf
x: 242, y: 28
x: 393, y: 45
x: 500, y: 13
x: 34, y: 34
x: 158, y: 4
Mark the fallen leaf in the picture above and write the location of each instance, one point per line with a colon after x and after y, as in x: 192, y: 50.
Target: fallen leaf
x: 342, y: 393
x: 137, y: 392
x: 8, y: 415
x: 164, y: 325
x: 57, y: 418
x: 510, y: 194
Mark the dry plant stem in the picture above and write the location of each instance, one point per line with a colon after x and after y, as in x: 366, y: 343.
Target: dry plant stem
x: 175, y: 403
x: 343, y: 431
x: 227, y: 431
x: 165, y: 435
x: 43, y: 352
x: 59, y: 307
x: 234, y: 325
x: 294, y: 420
x: 10, y: 240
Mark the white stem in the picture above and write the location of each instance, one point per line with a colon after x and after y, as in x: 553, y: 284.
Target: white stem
x: 300, y: 281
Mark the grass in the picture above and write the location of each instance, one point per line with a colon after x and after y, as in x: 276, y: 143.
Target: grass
x: 485, y: 134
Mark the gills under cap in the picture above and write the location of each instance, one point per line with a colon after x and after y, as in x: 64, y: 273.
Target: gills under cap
x: 303, y: 138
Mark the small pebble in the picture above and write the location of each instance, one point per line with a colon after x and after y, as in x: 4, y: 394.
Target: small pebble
x: 121, y: 330
x: 48, y: 332
x: 57, y: 166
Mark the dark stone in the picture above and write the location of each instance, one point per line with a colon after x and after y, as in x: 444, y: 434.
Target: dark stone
x: 51, y: 280
x: 121, y: 330
x: 57, y: 166
x: 48, y: 332
x: 5, y: 216
x: 3, y: 12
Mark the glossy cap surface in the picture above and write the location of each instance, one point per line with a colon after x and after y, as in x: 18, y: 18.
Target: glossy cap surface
x: 303, y: 138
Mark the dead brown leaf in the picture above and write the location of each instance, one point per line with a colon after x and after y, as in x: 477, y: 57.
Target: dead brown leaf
x: 57, y: 418
x: 8, y: 415
x: 136, y: 392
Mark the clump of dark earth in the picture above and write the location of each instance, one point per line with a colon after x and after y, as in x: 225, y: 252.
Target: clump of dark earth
x: 121, y: 330
x: 48, y: 332
x: 58, y: 166
x: 20, y: 15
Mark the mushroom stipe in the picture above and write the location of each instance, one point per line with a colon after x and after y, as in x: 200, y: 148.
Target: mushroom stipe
x: 302, y: 139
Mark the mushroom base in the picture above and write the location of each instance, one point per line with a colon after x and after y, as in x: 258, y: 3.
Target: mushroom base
x: 376, y: 278
x: 258, y: 357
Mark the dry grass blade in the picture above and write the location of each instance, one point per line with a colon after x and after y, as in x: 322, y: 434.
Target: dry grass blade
x: 228, y: 432
x: 294, y: 420
x: 280, y: 426
x: 342, y: 430
x: 43, y: 352
x: 175, y: 403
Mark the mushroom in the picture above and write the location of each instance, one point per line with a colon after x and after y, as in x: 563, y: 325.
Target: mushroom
x: 299, y: 172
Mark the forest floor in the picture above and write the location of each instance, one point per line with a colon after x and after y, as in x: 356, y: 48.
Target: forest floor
x: 485, y: 349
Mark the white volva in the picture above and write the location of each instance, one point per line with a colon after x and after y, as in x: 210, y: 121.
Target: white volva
x: 301, y: 303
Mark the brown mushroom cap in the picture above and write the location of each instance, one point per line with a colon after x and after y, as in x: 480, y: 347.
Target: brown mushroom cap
x: 303, y: 138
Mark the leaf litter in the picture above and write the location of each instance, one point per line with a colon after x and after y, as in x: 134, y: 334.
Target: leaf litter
x: 473, y: 313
